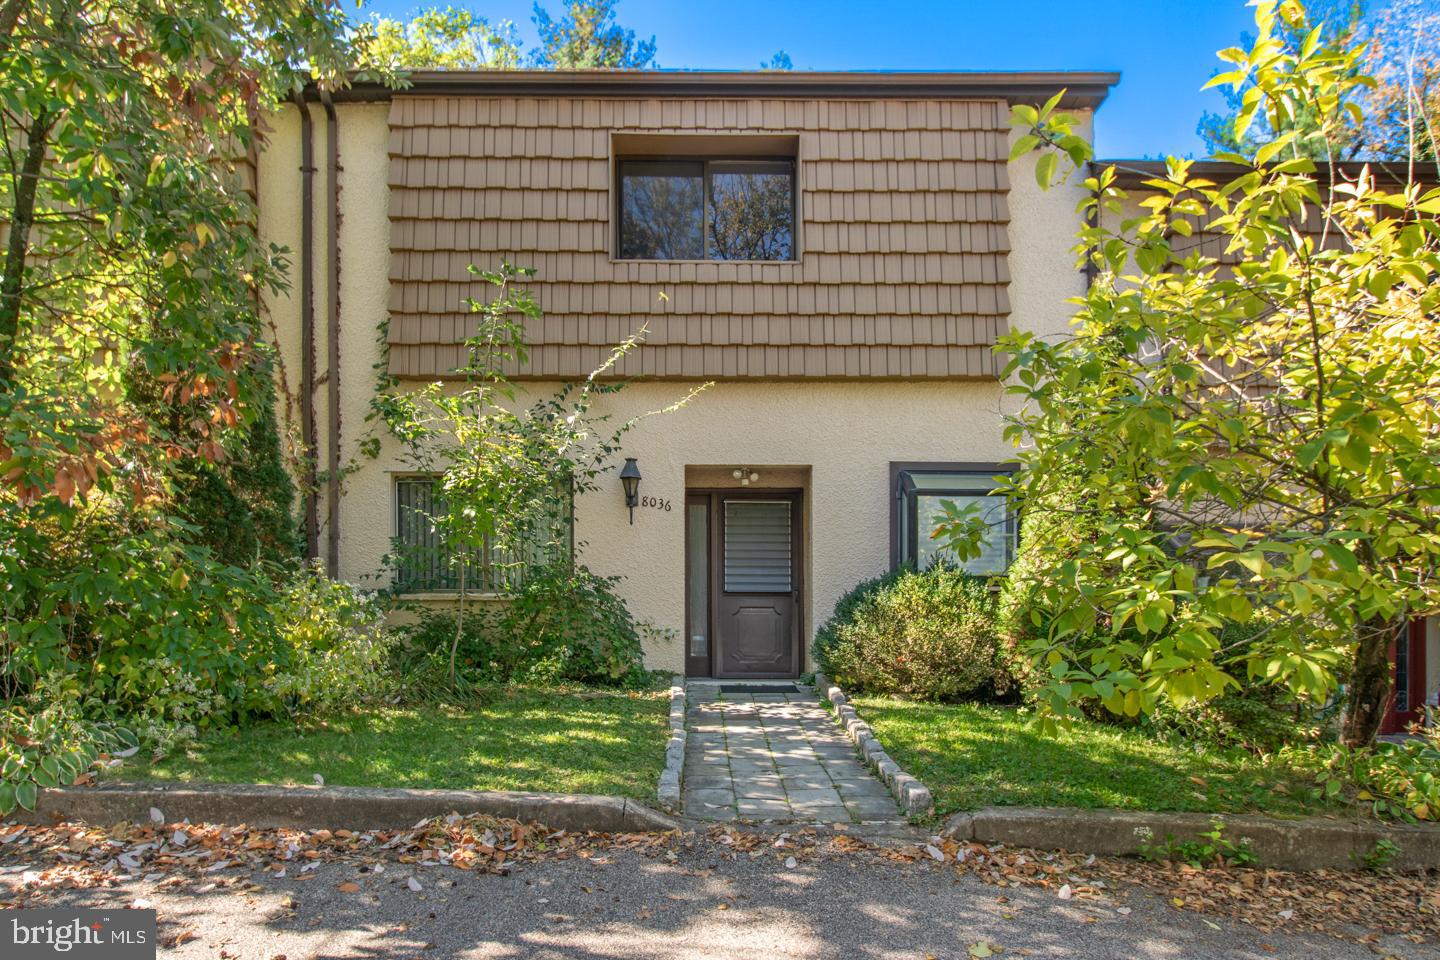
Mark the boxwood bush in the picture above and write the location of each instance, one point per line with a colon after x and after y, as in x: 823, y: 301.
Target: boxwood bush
x: 926, y: 635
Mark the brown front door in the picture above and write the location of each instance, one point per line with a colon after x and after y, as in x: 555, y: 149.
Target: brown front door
x: 752, y: 575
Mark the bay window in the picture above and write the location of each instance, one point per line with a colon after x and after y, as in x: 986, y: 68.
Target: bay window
x: 919, y: 492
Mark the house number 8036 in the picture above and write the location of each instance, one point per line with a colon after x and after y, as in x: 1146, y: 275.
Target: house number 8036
x: 658, y: 503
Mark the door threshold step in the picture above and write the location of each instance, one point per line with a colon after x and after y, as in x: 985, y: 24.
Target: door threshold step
x: 758, y: 688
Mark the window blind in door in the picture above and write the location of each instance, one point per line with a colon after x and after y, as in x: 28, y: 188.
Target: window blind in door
x: 757, y: 546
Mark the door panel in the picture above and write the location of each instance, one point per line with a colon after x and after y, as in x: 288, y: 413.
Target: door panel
x: 759, y: 632
x: 757, y: 622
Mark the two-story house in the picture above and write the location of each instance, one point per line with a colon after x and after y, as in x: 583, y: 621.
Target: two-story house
x: 837, y: 252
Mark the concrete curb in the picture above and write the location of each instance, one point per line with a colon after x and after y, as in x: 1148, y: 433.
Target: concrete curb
x: 1304, y: 844
x: 668, y: 793
x: 334, y: 808
x: 913, y: 796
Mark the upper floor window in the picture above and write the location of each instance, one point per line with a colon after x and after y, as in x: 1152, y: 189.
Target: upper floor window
x: 921, y: 489
x: 703, y: 209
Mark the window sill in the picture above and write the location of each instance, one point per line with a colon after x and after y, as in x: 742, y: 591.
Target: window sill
x: 777, y: 263
x: 449, y: 595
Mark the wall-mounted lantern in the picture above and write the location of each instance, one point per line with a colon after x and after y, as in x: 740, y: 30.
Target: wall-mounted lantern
x: 630, y: 479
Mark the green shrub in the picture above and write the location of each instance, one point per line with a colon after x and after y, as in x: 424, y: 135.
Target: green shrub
x: 1022, y: 620
x: 47, y: 741
x: 336, y: 642
x: 145, y: 639
x: 1258, y: 716
x: 574, y: 626
x: 151, y: 627
x: 420, y: 653
x: 929, y: 636
x: 1395, y: 780
x: 1261, y: 718
x: 563, y: 625
x: 827, y: 637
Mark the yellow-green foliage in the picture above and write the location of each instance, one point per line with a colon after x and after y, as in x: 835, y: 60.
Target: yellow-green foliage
x: 1258, y: 435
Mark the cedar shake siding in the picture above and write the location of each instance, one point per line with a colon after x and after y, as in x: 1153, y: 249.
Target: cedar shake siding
x: 901, y: 237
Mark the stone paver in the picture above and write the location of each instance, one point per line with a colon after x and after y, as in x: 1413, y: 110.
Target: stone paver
x: 775, y: 756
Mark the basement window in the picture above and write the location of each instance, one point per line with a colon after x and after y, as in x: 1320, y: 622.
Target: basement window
x: 688, y: 208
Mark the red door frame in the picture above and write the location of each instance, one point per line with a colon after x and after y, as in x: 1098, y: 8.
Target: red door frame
x: 1397, y: 720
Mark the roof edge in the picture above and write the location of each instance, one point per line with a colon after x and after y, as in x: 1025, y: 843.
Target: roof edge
x: 1083, y: 89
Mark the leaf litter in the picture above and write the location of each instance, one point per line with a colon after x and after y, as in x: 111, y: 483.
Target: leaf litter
x: 75, y: 855
x: 1334, y: 902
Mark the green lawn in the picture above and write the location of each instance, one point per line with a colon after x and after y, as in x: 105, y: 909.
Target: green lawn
x: 975, y: 756
x: 513, y: 740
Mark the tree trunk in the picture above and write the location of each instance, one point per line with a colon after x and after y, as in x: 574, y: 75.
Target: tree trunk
x: 13, y: 276
x: 1370, y: 682
x: 10, y: 16
x: 459, y: 623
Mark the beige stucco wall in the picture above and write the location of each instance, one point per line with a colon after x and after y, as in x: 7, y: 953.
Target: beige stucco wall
x: 1043, y: 271
x: 843, y: 435
x: 364, y: 270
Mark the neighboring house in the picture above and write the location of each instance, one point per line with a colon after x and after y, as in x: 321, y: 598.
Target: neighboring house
x: 837, y: 252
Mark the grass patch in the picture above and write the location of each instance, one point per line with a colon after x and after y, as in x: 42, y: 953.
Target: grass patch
x: 975, y: 756
x: 509, y: 740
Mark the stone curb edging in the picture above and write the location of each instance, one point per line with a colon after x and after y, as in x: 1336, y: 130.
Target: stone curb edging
x: 913, y: 796
x: 335, y: 808
x: 667, y: 794
x: 1304, y: 844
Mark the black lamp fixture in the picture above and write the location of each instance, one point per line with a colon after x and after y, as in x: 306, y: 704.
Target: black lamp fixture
x: 630, y: 478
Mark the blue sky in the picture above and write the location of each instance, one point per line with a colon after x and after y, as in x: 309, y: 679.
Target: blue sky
x: 1164, y: 49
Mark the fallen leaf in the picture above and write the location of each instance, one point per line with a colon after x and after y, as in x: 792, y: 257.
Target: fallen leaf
x: 790, y: 863
x: 156, y: 816
x: 1065, y: 892
x: 981, y: 950
x: 414, y: 885
x: 349, y: 886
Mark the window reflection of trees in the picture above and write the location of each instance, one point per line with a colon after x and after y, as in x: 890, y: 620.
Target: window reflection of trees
x: 751, y: 215
x: 717, y: 210
x: 662, y: 216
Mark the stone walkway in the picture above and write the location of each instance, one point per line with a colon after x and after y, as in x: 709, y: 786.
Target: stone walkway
x: 775, y: 756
